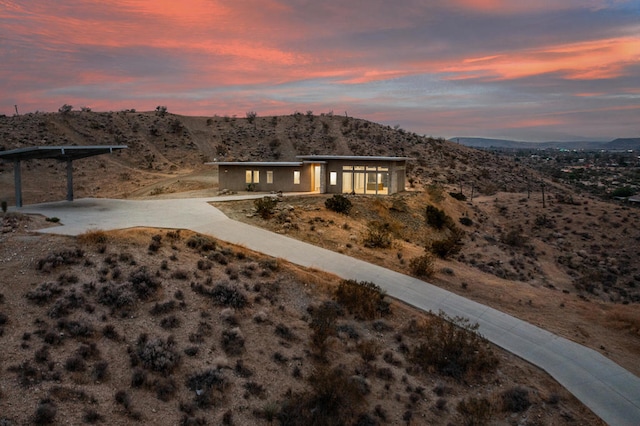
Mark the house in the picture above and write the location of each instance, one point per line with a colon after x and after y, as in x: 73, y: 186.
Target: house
x: 333, y: 174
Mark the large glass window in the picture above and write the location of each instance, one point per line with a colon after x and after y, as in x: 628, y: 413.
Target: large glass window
x: 247, y: 177
x: 269, y: 176
x: 333, y: 178
x: 296, y: 177
x: 256, y: 176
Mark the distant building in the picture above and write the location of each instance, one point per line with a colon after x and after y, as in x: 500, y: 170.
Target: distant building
x: 334, y: 174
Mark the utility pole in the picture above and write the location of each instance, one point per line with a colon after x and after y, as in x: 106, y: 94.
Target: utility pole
x: 16, y: 107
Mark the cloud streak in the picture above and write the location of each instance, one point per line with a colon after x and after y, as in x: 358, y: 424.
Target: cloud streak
x: 497, y: 68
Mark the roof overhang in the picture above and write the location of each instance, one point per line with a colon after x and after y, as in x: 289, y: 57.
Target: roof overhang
x: 320, y: 158
x: 258, y: 163
x: 60, y: 153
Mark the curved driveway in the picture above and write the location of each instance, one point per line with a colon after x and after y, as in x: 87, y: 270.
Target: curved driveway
x: 610, y: 391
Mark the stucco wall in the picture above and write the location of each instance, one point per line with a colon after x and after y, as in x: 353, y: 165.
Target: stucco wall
x: 232, y: 177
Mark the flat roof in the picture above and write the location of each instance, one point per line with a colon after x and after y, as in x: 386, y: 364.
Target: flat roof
x: 258, y: 163
x: 351, y: 158
x: 58, y: 152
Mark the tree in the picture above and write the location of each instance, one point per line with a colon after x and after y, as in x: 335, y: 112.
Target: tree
x: 251, y: 116
x: 161, y: 110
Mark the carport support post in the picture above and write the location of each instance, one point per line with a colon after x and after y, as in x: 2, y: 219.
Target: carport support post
x: 69, y: 180
x: 17, y: 182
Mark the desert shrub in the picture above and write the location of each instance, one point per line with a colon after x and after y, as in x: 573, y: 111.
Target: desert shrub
x: 422, y: 266
x: 155, y: 355
x: 265, y: 206
x: 63, y: 305
x: 165, y: 388
x: 458, y: 196
x: 368, y: 350
x: 143, y: 283
x: 323, y: 324
x: 436, y: 217
x: 170, y: 322
x: 232, y: 341
x: 339, y: 204
x: 204, y: 265
x: 475, y: 411
x: 45, y: 412
x: 201, y: 243
x: 223, y: 294
x: 75, y: 363
x: 333, y: 399
x: 364, y: 300
x: 63, y: 257
x: 100, y: 370
x: 163, y: 308
x: 446, y: 247
x: 378, y: 235
x: 453, y: 347
x: 254, y: 389
x: 624, y: 191
x: 466, y: 221
x: 515, y: 400
x: 44, y: 293
x: 206, y: 385
x: 180, y: 274
x: 284, y: 332
x: 80, y: 328
x: 109, y: 331
x: 514, y: 238
x: 92, y: 416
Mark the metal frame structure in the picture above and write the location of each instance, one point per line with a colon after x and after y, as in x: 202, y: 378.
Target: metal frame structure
x: 59, y: 153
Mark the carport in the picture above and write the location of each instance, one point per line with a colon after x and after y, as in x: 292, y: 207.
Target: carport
x: 59, y: 153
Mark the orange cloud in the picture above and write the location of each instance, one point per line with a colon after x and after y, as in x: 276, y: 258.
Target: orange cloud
x: 581, y: 61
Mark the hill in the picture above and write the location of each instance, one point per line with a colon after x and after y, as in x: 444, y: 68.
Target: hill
x: 166, y: 146
x: 616, y: 144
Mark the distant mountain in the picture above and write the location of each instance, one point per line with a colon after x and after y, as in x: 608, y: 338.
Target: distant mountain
x: 621, y: 143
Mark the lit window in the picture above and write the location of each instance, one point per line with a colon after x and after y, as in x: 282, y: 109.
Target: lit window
x: 247, y: 176
x: 296, y: 177
x: 256, y: 176
x: 333, y: 178
x: 269, y: 176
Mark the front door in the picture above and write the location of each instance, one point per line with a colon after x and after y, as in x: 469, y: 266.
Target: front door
x: 316, y: 178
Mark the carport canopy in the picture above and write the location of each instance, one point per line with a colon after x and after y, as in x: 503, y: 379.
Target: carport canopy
x: 59, y: 153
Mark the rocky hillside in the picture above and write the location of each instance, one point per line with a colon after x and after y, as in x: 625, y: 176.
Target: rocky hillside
x: 163, y: 143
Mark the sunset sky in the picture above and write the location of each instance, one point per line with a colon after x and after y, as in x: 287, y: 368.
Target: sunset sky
x: 518, y: 69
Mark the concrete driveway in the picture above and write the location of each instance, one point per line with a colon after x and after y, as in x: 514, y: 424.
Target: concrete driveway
x: 610, y: 391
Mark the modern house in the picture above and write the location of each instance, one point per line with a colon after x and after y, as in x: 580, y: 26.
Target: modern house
x: 334, y: 174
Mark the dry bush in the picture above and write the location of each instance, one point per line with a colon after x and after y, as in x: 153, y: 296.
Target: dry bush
x: 515, y: 400
x: 364, y: 300
x: 63, y: 257
x: 368, y: 350
x: 156, y: 355
x: 422, y: 266
x: 232, y: 341
x: 265, y: 206
x: 223, y: 295
x: 475, y: 411
x: 323, y: 324
x: 437, y: 218
x: 333, y: 400
x: 453, y: 347
x: 201, y: 243
x: 378, y: 235
x: 93, y: 237
x: 208, y: 386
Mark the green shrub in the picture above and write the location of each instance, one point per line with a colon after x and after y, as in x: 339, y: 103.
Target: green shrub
x: 265, y: 206
x: 453, y: 347
x: 339, y: 204
x: 364, y: 300
x: 378, y: 235
x: 422, y: 266
x: 625, y: 191
x: 458, y: 196
x: 436, y: 217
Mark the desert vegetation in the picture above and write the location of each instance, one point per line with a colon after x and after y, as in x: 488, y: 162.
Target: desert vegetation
x: 101, y: 329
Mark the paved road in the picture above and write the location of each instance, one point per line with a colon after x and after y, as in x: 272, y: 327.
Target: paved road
x: 612, y: 392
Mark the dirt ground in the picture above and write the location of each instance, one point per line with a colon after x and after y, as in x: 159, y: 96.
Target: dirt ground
x: 80, y: 347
